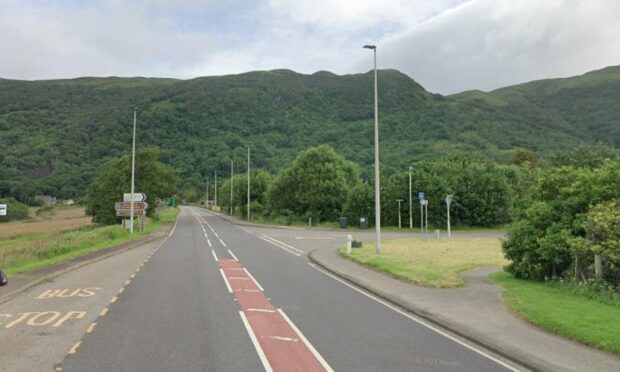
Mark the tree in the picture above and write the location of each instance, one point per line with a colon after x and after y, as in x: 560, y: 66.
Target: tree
x: 315, y: 185
x: 153, y: 178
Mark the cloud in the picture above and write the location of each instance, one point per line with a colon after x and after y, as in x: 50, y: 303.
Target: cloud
x: 446, y: 45
x: 488, y: 44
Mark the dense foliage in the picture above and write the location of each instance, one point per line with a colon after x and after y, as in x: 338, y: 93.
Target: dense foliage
x: 57, y: 135
x: 569, y: 218
x: 15, y: 210
x: 153, y: 178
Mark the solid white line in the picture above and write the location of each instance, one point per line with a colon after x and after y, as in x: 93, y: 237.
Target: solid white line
x: 279, y: 246
x: 259, y: 349
x: 174, y: 227
x: 415, y: 319
x: 283, y: 244
x: 221, y: 241
x: 214, y: 255
x: 306, y: 342
x: 226, y: 281
x: 233, y: 255
x: 254, y: 280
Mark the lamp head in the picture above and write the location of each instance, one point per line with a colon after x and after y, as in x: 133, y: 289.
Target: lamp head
x: 373, y: 47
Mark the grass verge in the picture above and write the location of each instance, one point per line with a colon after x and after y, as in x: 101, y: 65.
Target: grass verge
x: 28, y: 252
x: 557, y: 309
x: 432, y: 263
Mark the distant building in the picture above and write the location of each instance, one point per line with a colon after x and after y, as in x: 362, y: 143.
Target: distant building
x: 46, y: 199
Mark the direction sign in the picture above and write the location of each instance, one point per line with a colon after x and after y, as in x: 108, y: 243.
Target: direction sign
x: 127, y: 212
x: 127, y: 205
x: 3, y: 209
x: 421, y: 196
x: 137, y: 197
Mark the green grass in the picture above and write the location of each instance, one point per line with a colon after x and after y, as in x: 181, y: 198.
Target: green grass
x: 28, y: 252
x: 557, y: 309
x: 433, y: 263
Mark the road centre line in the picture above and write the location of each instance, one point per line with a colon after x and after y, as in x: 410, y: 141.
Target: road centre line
x: 232, y: 255
x: 415, y: 319
x: 226, y: 281
x: 91, y: 327
x: 259, y: 349
x: 104, y: 311
x: 221, y: 241
x: 306, y: 342
x: 209, y: 242
x: 75, y: 347
x: 253, y: 279
x: 214, y: 255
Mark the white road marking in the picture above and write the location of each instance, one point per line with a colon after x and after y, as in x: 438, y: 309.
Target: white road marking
x: 75, y: 347
x: 91, y: 327
x: 233, y: 255
x: 214, y: 255
x: 104, y: 311
x: 277, y: 244
x: 261, y: 310
x: 209, y: 242
x: 253, y: 279
x: 314, y: 237
x: 415, y: 319
x: 226, y: 281
x: 259, y: 349
x: 175, y: 226
x: 306, y: 342
x: 221, y: 241
x: 281, y: 338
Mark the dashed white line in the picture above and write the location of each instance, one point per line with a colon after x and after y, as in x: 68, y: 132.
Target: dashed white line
x: 221, y: 241
x: 75, y: 347
x: 226, y: 281
x: 233, y: 255
x: 259, y: 349
x: 306, y: 342
x: 214, y: 255
x: 253, y: 279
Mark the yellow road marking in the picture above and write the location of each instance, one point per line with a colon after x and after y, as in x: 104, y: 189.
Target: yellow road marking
x: 113, y: 300
x: 75, y: 347
x: 104, y: 311
x: 91, y: 327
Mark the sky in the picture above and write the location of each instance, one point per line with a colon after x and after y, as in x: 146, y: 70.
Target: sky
x: 448, y: 46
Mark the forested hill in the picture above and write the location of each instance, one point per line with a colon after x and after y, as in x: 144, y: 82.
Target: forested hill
x: 56, y: 134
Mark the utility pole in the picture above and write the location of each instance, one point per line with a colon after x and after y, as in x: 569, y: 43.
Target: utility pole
x: 377, y: 174
x: 248, y: 183
x: 426, y: 215
x: 410, y: 203
x: 231, y: 185
x: 207, y: 202
x: 215, y: 197
x: 399, y: 220
x: 133, y: 170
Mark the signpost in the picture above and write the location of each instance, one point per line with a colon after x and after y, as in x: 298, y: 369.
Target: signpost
x: 448, y: 201
x: 127, y: 205
x: 137, y: 197
x: 421, y: 198
x: 3, y: 209
x: 399, y: 219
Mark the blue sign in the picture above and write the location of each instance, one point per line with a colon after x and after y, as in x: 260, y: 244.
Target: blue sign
x: 421, y: 196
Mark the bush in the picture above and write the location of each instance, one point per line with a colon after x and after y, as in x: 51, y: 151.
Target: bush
x: 15, y: 210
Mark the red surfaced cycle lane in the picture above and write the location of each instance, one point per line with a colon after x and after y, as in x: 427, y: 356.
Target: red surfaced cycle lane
x: 283, y: 346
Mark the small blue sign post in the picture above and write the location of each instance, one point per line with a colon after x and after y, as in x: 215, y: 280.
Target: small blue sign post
x: 420, y: 196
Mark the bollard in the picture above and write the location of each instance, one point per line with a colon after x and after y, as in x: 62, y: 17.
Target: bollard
x: 349, y: 239
x: 436, y: 234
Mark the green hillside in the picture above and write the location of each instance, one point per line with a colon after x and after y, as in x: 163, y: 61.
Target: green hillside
x: 55, y: 135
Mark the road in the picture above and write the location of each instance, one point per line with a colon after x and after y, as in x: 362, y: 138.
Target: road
x: 220, y: 297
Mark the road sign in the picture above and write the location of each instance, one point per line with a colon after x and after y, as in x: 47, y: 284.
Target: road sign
x: 127, y: 205
x: 421, y: 196
x: 137, y: 197
x: 3, y: 209
x: 127, y: 212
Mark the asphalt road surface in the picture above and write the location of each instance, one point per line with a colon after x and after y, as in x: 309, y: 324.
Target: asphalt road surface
x: 219, y: 297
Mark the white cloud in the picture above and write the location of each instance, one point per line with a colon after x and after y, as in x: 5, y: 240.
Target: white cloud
x: 447, y: 45
x: 487, y: 44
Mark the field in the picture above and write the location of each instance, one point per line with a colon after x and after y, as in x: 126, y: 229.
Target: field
x: 60, y: 219
x: 433, y: 263
x: 558, y: 309
x: 54, y: 241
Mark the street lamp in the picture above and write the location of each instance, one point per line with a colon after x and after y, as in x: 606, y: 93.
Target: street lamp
x: 133, y: 170
x: 248, y: 183
x: 377, y: 175
x: 448, y: 201
x: 426, y: 215
x: 399, y: 201
x: 232, y: 162
x: 215, y: 197
x: 410, y: 203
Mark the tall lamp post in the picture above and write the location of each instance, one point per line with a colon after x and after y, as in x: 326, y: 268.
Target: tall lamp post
x: 377, y: 174
x: 133, y: 170
x: 410, y: 202
x: 232, y: 173
x: 248, y: 183
x: 215, y: 197
x: 399, y: 220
